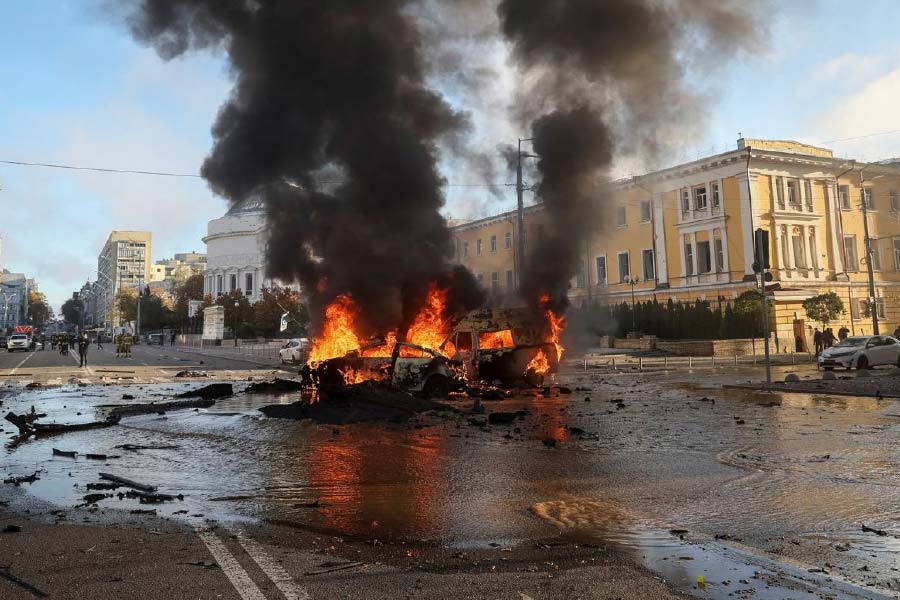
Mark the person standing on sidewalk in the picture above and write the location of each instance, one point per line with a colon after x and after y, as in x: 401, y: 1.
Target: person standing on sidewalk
x: 83, y: 344
x: 817, y: 340
x: 99, y: 341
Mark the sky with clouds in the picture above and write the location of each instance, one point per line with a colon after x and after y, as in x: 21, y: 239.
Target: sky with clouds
x: 77, y: 90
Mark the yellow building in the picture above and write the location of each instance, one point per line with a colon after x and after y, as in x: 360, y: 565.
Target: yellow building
x: 687, y: 233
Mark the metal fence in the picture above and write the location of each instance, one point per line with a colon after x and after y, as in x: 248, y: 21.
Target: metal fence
x: 258, y: 349
x: 664, y: 363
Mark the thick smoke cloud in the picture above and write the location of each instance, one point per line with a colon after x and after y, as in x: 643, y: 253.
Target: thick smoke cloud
x: 603, y: 79
x: 328, y: 91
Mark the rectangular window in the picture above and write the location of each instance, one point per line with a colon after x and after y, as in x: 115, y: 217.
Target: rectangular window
x: 620, y: 216
x: 704, y: 258
x: 685, y: 201
x: 480, y: 278
x: 879, y: 307
x: 248, y: 280
x: 465, y: 249
x: 700, y: 197
x: 601, y: 270
x: 895, y: 201
x: 510, y: 284
x: 844, y: 196
x: 649, y: 267
x: 799, y: 254
x: 897, y: 254
x: 854, y: 308
x: 493, y: 243
x: 495, y: 281
x: 232, y: 280
x: 645, y: 211
x: 808, y: 189
x: 850, y: 255
x: 793, y: 193
x: 876, y: 254
x: 507, y: 240
x: 580, y: 282
x: 218, y: 285
x: 689, y: 258
x: 813, y: 251
x: 716, y: 199
x: 720, y: 255
x: 779, y: 192
x: 624, y: 272
x: 869, y: 198
x: 478, y: 247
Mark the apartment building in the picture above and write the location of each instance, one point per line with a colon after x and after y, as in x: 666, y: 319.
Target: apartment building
x: 124, y: 262
x: 686, y: 233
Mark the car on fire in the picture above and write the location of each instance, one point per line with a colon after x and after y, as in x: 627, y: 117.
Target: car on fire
x: 503, y: 345
x: 862, y: 352
x: 408, y: 367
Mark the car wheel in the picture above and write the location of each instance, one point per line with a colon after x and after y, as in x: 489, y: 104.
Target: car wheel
x: 862, y: 363
x: 437, y: 386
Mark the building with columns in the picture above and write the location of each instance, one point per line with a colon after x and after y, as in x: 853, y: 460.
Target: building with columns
x: 686, y: 233
x: 236, y: 250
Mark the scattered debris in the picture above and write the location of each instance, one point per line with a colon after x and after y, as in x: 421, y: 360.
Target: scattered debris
x: 127, y: 397
x: 127, y: 410
x: 127, y: 482
x: 503, y: 418
x: 28, y: 427
x: 66, y: 453
x: 143, y: 511
x: 278, y: 385
x: 17, y: 481
x: 190, y: 373
x: 330, y: 567
x: 151, y: 497
x: 5, y: 574
x: 879, y: 532
x: 94, y: 498
x: 12, y: 529
x: 549, y: 442
x: 136, y: 447
x: 103, y: 486
x: 206, y: 564
x: 213, y: 390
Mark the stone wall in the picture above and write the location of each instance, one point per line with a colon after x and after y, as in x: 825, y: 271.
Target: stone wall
x: 724, y: 348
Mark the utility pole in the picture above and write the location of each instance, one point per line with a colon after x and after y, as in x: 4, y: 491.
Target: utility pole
x: 761, y: 238
x: 520, y: 191
x: 867, y: 242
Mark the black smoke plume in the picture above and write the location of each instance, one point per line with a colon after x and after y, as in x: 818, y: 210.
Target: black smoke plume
x: 605, y: 79
x: 331, y: 121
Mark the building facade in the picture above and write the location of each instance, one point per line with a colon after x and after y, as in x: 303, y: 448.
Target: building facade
x: 686, y: 233
x: 124, y: 262
x: 14, y: 288
x: 170, y: 272
x: 235, y: 250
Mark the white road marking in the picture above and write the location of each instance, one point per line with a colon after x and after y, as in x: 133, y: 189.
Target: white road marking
x: 230, y: 566
x: 24, y: 360
x: 270, y: 567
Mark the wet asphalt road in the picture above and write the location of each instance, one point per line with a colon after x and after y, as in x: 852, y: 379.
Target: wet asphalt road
x: 791, y: 475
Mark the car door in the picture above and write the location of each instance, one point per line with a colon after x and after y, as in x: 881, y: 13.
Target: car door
x: 891, y: 349
x: 877, y: 351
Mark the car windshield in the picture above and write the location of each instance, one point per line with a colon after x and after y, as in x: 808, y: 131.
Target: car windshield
x: 20, y: 337
x: 853, y: 342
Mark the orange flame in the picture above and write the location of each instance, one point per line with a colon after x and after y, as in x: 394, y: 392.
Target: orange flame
x: 557, y: 325
x: 496, y: 339
x: 539, y: 364
x: 338, y: 336
x: 429, y: 329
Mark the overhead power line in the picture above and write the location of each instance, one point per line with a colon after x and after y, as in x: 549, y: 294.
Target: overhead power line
x: 861, y: 137
x: 100, y: 169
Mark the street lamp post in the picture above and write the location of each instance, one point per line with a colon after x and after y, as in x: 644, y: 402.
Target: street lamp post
x: 236, y: 305
x: 633, y: 281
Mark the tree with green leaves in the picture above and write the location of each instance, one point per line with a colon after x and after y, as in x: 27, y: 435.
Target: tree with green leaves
x: 243, y: 312
x: 126, y: 301
x: 824, y: 308
x: 71, y: 310
x: 39, y: 312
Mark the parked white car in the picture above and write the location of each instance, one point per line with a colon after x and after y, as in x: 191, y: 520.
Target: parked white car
x: 862, y: 352
x: 18, y: 341
x: 295, y: 351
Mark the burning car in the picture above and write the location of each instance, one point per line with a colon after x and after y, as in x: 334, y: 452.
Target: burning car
x: 505, y: 345
x: 402, y: 365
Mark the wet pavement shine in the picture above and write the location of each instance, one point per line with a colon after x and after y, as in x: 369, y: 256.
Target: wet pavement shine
x: 758, y: 493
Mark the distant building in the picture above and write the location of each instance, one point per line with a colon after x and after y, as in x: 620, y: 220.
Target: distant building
x: 236, y: 250
x: 124, y: 262
x: 170, y: 272
x: 14, y: 289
